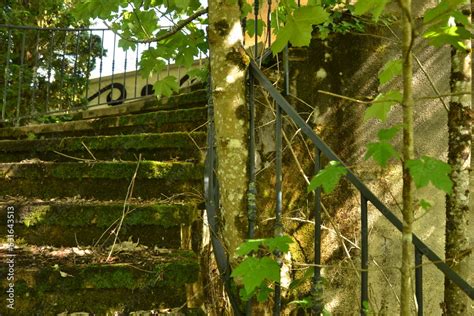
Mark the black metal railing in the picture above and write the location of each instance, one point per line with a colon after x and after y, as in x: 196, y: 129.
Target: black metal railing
x: 255, y: 75
x: 58, y: 70
x: 366, y: 196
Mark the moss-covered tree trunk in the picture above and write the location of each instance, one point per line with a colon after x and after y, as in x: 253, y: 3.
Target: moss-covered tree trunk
x: 228, y: 65
x: 458, y: 247
x: 408, y: 154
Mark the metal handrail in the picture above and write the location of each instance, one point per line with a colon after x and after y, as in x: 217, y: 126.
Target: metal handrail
x: 47, y: 70
x: 421, y: 249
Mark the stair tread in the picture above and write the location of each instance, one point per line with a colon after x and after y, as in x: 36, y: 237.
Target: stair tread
x: 150, y: 103
x: 131, y: 141
x: 37, y: 169
x: 79, y: 212
x: 52, y: 280
x: 156, y: 119
x: 93, y: 262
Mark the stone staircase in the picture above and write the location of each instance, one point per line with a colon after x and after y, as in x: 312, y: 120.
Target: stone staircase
x: 68, y: 185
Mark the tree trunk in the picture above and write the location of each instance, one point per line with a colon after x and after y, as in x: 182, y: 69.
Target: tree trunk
x: 408, y: 153
x: 228, y: 65
x: 459, y: 157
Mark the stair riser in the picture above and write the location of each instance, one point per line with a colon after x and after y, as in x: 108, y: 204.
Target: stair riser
x: 165, y: 154
x: 102, y: 189
x: 96, y: 302
x: 159, y: 147
x: 157, y: 122
x: 58, y: 236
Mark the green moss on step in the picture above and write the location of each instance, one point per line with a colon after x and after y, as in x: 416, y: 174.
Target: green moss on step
x: 102, y: 189
x: 105, y: 214
x: 103, y: 170
x: 94, y: 143
x: 179, y: 120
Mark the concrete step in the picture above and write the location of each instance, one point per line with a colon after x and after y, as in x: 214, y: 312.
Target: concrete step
x: 99, y: 180
x: 184, y: 120
x: 49, y: 281
x: 83, y: 222
x: 186, y: 100
x: 163, y: 146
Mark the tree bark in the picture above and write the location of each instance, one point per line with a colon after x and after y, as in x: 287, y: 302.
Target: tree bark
x: 458, y: 247
x: 228, y: 65
x: 408, y: 154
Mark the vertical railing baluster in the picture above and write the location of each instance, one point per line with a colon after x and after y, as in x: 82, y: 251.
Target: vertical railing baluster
x: 7, y: 74
x: 419, y: 280
x: 76, y: 76
x: 364, y: 262
x: 63, y: 66
x: 136, y: 71
x: 113, y: 68
x: 20, y: 77
x: 88, y: 71
x: 269, y: 29
x: 34, y: 75
x: 317, y: 284
x: 101, y: 64
x: 48, y: 82
x: 278, y: 189
x: 286, y: 72
x: 124, y: 76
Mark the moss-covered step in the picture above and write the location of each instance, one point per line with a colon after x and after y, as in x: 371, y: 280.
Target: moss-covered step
x: 53, y: 280
x: 159, y: 121
x: 164, y: 146
x: 103, y: 302
x: 99, y: 180
x: 147, y: 104
x: 68, y: 223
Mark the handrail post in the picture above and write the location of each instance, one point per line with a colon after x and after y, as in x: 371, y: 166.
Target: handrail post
x: 20, y: 77
x: 317, y: 284
x: 286, y: 72
x: 278, y: 192
x: 7, y: 74
x: 419, y: 281
x: 364, y: 262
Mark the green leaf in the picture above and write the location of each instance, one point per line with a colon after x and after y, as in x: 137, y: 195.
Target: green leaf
x: 200, y: 74
x: 391, y: 69
x: 328, y: 177
x: 308, y: 274
x: 245, y: 9
x: 250, y: 27
x: 424, y: 204
x: 248, y: 246
x: 304, y: 302
x: 126, y: 45
x: 447, y: 35
x: 281, y: 243
x: 381, y: 152
x: 255, y: 271
x: 427, y: 169
x: 263, y: 293
x: 299, y: 26
x: 386, y: 134
x: 382, y: 105
x: 185, y: 56
x: 182, y: 4
x: 151, y: 63
x: 375, y: 7
x: 166, y: 86
x: 442, y: 11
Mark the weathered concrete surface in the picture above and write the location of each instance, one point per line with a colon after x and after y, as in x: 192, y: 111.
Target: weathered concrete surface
x: 348, y: 65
